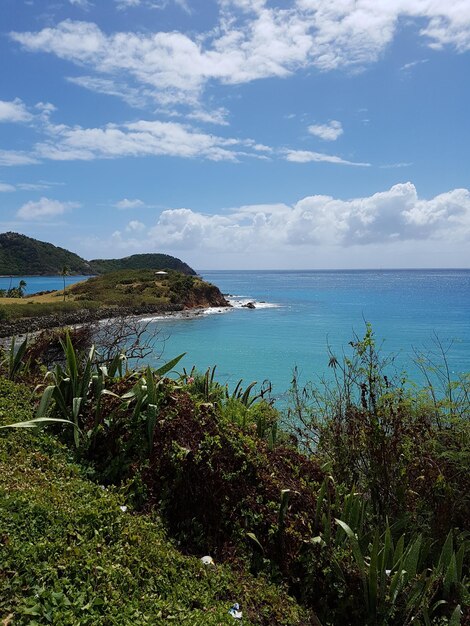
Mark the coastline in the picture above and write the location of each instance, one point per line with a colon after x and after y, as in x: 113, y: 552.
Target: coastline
x: 29, y: 325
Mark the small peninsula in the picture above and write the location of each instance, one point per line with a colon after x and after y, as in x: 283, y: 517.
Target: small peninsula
x: 114, y: 294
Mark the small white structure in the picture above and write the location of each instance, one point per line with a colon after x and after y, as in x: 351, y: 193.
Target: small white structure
x: 161, y: 273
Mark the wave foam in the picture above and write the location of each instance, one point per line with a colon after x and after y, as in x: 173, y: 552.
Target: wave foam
x: 239, y: 303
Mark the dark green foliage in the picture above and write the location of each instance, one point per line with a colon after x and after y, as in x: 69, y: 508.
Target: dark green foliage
x: 410, y: 455
x: 21, y: 255
x: 70, y: 555
x: 141, y: 261
x: 367, y: 528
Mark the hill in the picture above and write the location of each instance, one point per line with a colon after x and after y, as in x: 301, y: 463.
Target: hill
x: 114, y: 294
x: 133, y: 288
x: 141, y: 261
x: 24, y: 256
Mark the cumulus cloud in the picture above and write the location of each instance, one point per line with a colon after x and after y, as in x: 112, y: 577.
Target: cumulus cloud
x: 129, y: 204
x: 390, y: 217
x: 328, y: 132
x: 252, y: 40
x: 134, y: 226
x: 14, y: 111
x: 44, y: 208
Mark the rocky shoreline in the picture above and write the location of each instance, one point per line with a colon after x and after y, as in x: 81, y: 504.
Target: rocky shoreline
x: 30, y: 325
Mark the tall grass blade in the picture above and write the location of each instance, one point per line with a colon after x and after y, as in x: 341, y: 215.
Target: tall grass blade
x: 357, y: 553
x: 455, y: 617
x: 164, y: 369
x: 446, y: 552
x: 38, y: 421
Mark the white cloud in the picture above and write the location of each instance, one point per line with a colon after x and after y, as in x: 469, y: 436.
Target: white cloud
x: 140, y: 138
x: 83, y: 4
x: 306, y: 156
x: 6, y: 188
x: 218, y: 116
x: 392, y: 166
x: 129, y: 204
x: 151, y: 4
x: 132, y: 96
x: 14, y: 111
x: 44, y: 208
x: 392, y: 217
x: 125, y: 4
x: 12, y: 158
x: 251, y: 41
x: 134, y: 226
x: 409, y: 66
x: 328, y: 132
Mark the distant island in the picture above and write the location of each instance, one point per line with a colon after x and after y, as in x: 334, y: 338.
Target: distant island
x: 24, y: 256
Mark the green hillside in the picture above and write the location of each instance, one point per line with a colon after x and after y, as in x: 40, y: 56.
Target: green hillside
x: 25, y: 256
x: 21, y: 255
x: 141, y: 261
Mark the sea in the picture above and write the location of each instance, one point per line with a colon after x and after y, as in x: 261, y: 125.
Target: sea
x: 300, y: 316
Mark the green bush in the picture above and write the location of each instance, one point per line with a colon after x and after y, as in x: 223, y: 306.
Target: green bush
x: 70, y: 555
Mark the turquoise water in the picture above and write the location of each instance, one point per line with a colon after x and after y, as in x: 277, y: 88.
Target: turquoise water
x: 300, y: 312
x: 39, y: 283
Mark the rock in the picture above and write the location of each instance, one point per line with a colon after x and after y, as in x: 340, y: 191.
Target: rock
x: 249, y: 305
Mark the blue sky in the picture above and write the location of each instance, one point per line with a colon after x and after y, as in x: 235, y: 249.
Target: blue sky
x: 239, y: 133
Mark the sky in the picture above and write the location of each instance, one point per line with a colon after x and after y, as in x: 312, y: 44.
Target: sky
x: 239, y: 134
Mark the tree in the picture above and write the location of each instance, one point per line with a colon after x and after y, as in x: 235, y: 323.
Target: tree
x: 21, y: 287
x: 64, y: 272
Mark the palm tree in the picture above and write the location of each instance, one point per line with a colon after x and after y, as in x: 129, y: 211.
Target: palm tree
x: 21, y: 287
x: 64, y: 272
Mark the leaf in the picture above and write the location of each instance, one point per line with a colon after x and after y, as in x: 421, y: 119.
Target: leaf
x: 161, y: 371
x: 285, y: 494
x: 254, y: 538
x: 373, y: 574
x: 450, y: 577
x: 411, y: 560
x: 36, y: 422
x: 355, y: 547
x: 45, y: 401
x: 455, y: 617
x: 446, y: 552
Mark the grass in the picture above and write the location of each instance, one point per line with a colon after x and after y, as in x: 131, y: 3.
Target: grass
x: 70, y: 555
x: 126, y: 288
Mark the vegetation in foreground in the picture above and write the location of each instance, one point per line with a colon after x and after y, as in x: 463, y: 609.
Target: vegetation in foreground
x: 358, y: 505
x: 72, y: 553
